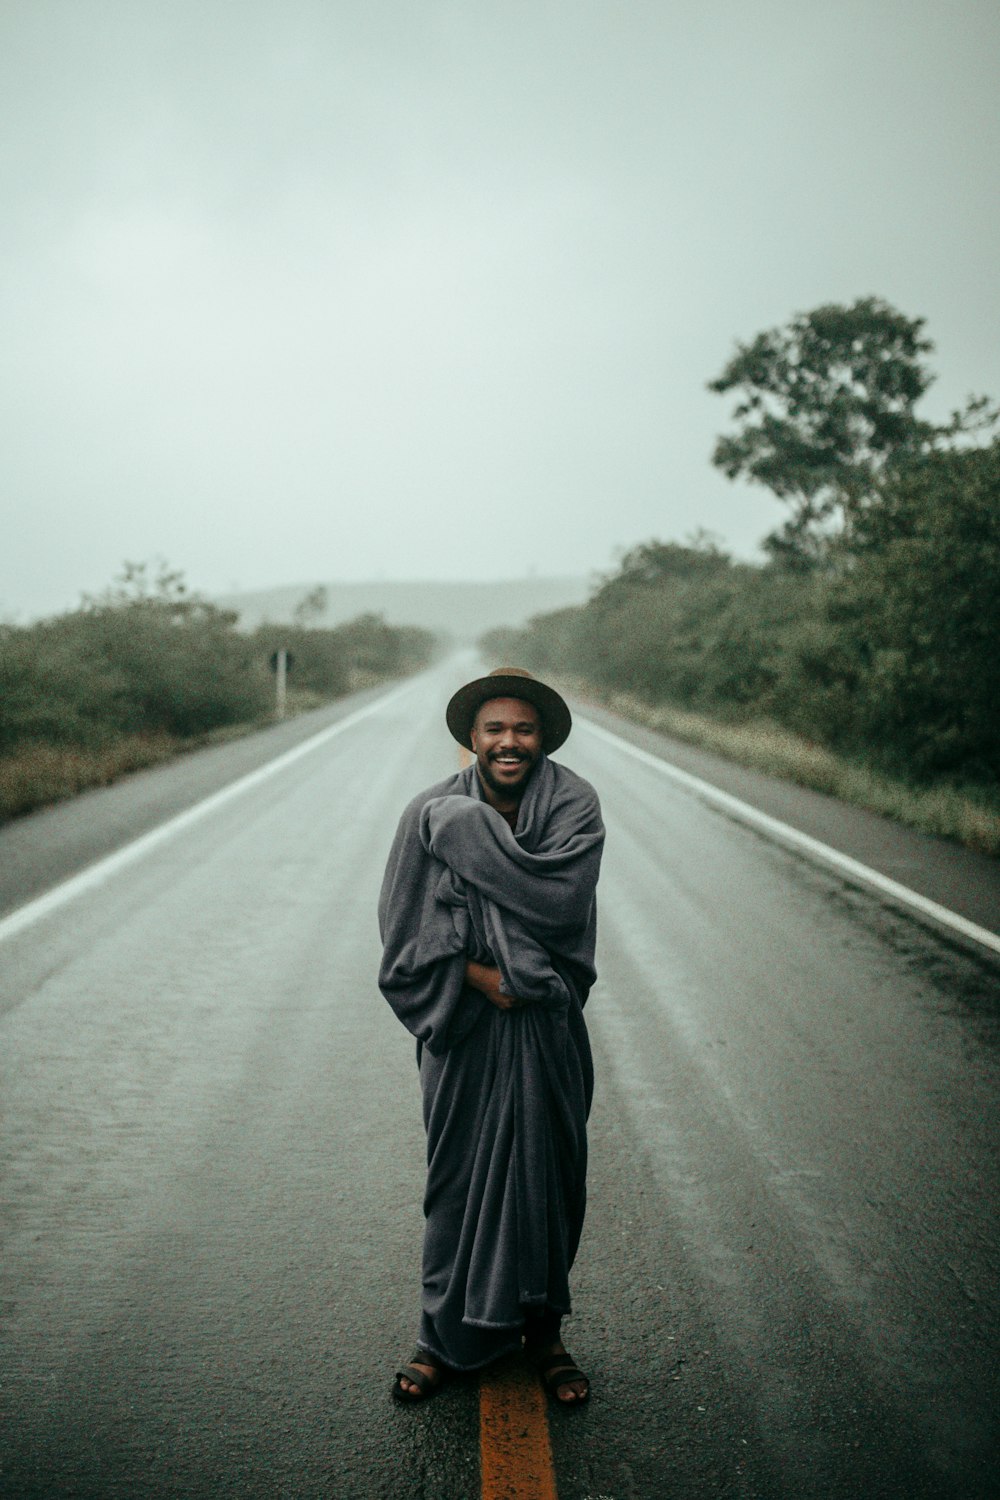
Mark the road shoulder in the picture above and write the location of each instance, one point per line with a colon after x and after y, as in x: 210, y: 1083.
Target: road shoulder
x: 960, y: 879
x: 45, y: 847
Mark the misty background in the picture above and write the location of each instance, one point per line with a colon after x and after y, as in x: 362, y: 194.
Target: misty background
x: 342, y: 291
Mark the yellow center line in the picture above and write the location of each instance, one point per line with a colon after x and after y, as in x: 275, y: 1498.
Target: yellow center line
x: 514, y: 1452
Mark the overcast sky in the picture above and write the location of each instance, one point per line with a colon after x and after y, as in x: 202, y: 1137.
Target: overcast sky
x: 358, y: 288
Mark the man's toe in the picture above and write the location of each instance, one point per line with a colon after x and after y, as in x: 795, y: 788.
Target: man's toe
x: 571, y: 1393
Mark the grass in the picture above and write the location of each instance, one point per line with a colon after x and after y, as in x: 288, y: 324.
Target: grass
x: 969, y: 815
x: 35, y: 775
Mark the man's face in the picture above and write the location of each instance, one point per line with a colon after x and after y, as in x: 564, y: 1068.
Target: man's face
x: 507, y: 738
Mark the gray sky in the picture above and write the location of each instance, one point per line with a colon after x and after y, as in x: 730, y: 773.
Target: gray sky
x: 353, y: 288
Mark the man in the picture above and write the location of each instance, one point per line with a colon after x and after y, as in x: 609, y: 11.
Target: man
x: 488, y: 921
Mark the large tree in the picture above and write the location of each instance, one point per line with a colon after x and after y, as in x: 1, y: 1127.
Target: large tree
x: 922, y: 600
x: 825, y: 405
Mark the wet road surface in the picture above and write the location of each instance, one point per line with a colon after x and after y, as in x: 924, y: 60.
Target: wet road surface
x: 212, y: 1162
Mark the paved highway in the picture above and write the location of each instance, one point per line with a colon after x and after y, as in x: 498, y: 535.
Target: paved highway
x: 211, y: 1148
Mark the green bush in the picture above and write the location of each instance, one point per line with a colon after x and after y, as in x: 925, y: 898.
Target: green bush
x: 147, y: 659
x: 319, y: 662
x: 140, y: 667
x: 886, y: 653
x: 329, y: 661
x: 922, y: 611
x: 377, y: 649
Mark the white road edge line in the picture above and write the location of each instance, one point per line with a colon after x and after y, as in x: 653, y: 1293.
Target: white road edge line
x: 853, y: 868
x: 103, y: 869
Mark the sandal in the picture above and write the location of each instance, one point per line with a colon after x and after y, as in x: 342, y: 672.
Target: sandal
x: 556, y: 1370
x: 426, y: 1384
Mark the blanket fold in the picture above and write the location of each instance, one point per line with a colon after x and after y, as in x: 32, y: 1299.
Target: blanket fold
x: 506, y: 1093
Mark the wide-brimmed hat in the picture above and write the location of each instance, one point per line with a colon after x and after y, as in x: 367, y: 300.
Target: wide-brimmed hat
x: 509, y: 682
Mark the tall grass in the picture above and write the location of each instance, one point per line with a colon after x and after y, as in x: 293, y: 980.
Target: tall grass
x: 971, y: 815
x: 35, y: 775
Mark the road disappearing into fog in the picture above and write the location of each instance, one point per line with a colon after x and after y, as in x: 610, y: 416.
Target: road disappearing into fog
x: 212, y: 1155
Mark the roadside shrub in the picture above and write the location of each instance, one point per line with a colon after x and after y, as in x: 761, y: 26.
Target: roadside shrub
x: 330, y: 661
x: 886, y: 653
x: 142, y: 667
x: 130, y: 677
x: 320, y: 662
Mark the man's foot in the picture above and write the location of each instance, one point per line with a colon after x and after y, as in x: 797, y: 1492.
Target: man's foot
x: 419, y: 1379
x: 559, y: 1374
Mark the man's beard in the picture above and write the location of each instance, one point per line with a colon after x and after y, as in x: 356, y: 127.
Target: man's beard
x: 502, y: 789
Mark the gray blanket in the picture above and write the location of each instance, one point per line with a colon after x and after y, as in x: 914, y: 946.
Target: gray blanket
x: 506, y: 1093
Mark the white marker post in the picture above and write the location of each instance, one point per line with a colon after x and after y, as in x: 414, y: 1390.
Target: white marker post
x: 281, y: 681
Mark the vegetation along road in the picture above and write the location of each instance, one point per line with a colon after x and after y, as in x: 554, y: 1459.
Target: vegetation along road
x: 212, y: 1154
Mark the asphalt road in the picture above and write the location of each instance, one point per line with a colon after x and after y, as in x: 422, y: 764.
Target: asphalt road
x: 211, y: 1152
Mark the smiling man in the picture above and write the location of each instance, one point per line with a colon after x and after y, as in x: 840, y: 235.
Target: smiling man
x: 506, y: 735
x: 488, y: 922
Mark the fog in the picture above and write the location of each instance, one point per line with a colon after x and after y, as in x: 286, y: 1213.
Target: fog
x: 295, y: 291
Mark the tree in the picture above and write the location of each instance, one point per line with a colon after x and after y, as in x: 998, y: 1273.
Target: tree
x: 826, y: 405
x: 923, y: 601
x: 138, y: 584
x: 656, y: 563
x: 312, y: 606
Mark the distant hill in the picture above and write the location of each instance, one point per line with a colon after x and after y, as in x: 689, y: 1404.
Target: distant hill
x: 462, y: 610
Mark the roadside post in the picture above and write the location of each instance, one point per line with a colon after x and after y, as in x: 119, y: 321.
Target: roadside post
x: 281, y: 662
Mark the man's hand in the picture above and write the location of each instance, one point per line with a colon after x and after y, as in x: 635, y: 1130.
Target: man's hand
x: 487, y: 981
